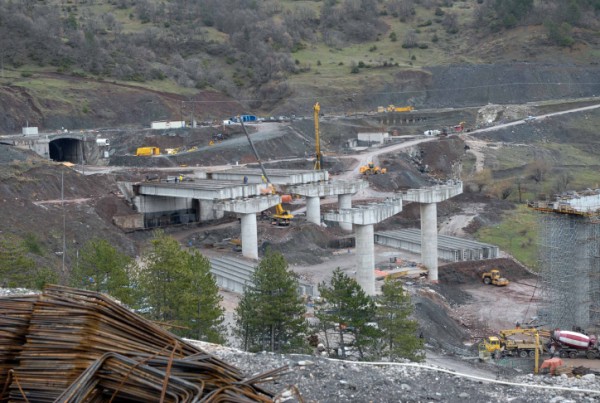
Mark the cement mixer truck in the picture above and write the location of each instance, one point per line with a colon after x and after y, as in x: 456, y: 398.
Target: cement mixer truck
x: 573, y: 344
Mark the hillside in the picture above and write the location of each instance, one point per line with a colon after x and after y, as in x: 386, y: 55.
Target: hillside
x: 104, y: 63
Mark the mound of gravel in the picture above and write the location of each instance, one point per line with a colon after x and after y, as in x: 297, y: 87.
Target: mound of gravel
x: 316, y: 379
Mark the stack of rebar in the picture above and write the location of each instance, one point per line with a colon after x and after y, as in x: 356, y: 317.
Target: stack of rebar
x: 15, y: 313
x: 80, y: 346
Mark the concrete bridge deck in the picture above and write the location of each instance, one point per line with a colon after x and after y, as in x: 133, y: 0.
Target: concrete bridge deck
x: 277, y: 176
x: 201, y: 189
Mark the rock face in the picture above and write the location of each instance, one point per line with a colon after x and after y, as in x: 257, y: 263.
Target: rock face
x: 318, y: 379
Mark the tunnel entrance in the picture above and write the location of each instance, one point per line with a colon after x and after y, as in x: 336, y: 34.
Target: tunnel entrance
x: 67, y: 149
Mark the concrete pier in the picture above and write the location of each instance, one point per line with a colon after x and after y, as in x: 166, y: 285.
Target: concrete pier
x: 249, y: 236
x: 345, y: 203
x: 247, y: 210
x: 313, y: 210
x: 365, y: 256
x: 364, y: 217
x: 429, y: 239
x: 428, y: 198
x: 314, y: 191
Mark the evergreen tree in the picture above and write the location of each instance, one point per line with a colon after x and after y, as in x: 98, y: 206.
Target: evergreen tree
x: 204, y: 313
x: 19, y: 270
x: 349, y: 309
x: 102, y: 268
x: 178, y: 289
x: 399, y: 332
x: 270, y: 315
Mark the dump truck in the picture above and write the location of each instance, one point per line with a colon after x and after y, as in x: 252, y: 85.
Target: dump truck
x: 147, y: 151
x: 504, y: 345
x: 574, y: 344
x: 494, y: 277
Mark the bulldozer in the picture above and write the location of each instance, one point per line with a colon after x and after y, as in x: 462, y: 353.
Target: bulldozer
x: 494, y: 277
x: 372, y: 169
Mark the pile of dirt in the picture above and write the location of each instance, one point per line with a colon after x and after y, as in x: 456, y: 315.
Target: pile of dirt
x: 453, y: 275
x: 436, y: 325
x: 301, y: 244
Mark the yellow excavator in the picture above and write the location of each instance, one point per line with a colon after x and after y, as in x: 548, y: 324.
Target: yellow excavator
x: 282, y: 217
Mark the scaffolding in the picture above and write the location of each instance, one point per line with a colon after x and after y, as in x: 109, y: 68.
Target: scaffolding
x: 570, y: 269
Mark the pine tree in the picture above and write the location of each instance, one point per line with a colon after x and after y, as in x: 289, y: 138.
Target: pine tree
x: 398, y: 330
x: 349, y: 309
x: 19, y: 270
x: 270, y: 315
x: 205, y: 314
x: 102, y: 268
x: 178, y: 289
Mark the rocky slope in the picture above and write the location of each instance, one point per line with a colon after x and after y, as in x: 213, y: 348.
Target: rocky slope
x: 315, y: 379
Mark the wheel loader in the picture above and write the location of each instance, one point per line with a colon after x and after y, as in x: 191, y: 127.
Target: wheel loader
x: 494, y: 277
x: 371, y: 169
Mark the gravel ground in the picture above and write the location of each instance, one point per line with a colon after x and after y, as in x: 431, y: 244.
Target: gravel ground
x: 324, y: 380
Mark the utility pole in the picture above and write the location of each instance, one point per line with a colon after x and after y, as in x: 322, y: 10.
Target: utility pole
x: 62, y: 202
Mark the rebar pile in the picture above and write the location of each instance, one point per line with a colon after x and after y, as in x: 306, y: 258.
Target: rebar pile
x: 14, y: 315
x: 80, y: 346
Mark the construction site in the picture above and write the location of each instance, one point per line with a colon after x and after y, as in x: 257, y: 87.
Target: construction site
x: 397, y: 206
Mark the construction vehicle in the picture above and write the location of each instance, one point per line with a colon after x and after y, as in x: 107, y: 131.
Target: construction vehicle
x: 503, y: 345
x: 282, y: 217
x: 393, y: 108
x: 371, y: 169
x: 147, y: 151
x: 318, y: 155
x: 460, y: 127
x: 573, y: 344
x: 494, y: 277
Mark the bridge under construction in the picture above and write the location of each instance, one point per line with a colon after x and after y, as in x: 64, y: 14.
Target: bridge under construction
x: 570, y: 260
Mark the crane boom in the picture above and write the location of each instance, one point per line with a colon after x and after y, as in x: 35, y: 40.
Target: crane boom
x: 318, y: 156
x: 264, y: 172
x: 282, y: 215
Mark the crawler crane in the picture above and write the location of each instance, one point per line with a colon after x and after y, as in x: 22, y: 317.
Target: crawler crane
x: 282, y: 217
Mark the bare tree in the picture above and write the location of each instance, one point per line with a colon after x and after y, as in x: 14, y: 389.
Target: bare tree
x: 410, y: 40
x: 538, y: 169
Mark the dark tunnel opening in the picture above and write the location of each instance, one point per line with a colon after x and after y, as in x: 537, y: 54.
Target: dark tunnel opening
x: 66, y: 149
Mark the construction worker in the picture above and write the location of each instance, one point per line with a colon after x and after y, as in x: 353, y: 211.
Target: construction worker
x: 180, y: 178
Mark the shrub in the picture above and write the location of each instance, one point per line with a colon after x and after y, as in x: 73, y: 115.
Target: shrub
x: 423, y: 46
x: 354, y: 70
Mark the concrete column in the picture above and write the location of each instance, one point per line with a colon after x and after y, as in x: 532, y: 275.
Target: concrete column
x: 365, y: 254
x: 249, y: 236
x: 345, y: 202
x: 429, y: 241
x: 313, y: 209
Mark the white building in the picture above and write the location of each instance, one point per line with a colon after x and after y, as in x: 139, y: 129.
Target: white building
x: 373, y: 137
x: 164, y: 124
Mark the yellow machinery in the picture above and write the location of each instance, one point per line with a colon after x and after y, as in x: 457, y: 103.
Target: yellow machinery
x: 371, y: 169
x: 318, y: 155
x: 282, y: 217
x: 503, y: 345
x: 494, y: 277
x: 147, y: 151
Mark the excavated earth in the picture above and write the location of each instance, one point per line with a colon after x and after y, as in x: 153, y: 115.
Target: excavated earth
x: 447, y: 312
